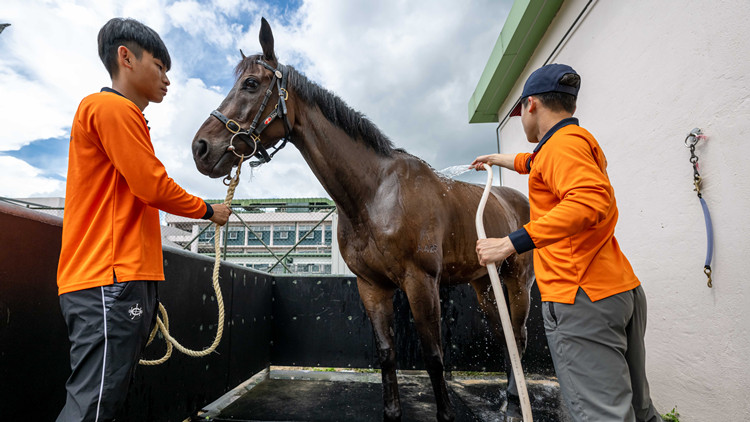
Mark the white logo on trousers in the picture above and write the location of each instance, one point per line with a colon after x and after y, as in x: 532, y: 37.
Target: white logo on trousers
x: 135, y: 311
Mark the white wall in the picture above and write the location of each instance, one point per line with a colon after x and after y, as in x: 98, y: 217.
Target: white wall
x: 651, y: 71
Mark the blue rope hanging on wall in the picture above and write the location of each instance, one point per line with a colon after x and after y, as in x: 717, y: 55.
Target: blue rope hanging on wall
x: 691, y: 140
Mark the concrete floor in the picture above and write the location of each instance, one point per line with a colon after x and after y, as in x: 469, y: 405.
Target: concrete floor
x: 304, y: 395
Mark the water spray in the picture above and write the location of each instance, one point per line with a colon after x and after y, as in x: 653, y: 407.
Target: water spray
x: 510, y: 339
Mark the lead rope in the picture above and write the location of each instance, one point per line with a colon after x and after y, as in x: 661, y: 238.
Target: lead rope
x: 162, y: 323
x: 510, y: 339
x: 691, y: 140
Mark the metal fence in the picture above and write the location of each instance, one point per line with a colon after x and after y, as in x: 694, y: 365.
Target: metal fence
x: 51, y: 206
x: 292, y: 236
x: 273, y: 241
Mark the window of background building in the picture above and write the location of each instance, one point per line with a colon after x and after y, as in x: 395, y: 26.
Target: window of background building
x: 314, y: 238
x: 207, y: 235
x: 284, y: 234
x: 236, y: 235
x: 328, y: 235
x: 264, y: 232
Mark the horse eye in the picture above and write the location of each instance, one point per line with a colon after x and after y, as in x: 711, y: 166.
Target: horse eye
x: 251, y: 83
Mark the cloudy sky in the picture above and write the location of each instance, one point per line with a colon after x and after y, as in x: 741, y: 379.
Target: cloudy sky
x: 410, y: 66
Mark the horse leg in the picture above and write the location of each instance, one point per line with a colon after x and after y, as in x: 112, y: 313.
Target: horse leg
x: 424, y: 300
x: 518, y: 298
x: 378, y: 303
x: 516, y: 292
x: 517, y: 275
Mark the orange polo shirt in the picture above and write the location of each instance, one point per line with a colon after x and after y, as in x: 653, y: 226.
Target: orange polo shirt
x: 573, y: 218
x: 114, y: 189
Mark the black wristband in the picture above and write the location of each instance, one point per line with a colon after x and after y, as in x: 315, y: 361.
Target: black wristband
x: 521, y: 240
x: 209, y: 211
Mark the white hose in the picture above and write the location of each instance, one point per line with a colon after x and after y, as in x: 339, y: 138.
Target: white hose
x: 510, y: 340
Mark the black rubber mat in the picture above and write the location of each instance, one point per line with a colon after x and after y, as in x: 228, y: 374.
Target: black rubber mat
x: 327, y: 401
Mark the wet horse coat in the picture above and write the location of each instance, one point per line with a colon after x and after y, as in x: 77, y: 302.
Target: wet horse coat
x: 401, y: 225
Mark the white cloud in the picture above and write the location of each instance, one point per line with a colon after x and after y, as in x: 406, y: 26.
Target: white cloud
x: 42, y: 77
x: 20, y: 180
x: 409, y: 66
x: 200, y: 21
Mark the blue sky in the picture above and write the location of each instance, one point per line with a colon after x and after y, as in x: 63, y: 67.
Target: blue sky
x: 48, y: 63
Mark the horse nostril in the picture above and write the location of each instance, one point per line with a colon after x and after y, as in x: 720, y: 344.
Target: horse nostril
x: 200, y: 148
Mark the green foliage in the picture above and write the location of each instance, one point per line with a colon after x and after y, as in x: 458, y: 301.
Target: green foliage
x: 672, y: 416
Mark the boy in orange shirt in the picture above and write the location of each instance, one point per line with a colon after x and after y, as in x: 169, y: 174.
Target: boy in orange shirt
x: 594, y: 308
x: 111, y: 256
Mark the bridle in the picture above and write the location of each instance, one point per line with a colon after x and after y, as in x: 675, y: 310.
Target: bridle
x: 251, y: 136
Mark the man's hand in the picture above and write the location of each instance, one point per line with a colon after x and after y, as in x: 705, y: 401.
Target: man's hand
x: 221, y: 214
x: 491, y: 251
x: 502, y: 160
x: 482, y: 159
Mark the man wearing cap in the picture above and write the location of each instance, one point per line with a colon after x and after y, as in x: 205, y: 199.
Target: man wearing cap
x: 594, y: 307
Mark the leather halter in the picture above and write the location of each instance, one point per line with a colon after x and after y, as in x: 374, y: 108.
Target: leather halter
x: 251, y: 136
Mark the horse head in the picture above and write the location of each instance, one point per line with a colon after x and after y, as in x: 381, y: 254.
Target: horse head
x: 242, y: 126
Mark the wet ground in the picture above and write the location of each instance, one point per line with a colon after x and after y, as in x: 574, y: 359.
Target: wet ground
x: 303, y: 395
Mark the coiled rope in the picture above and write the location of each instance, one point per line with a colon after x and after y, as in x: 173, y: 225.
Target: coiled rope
x: 162, y: 322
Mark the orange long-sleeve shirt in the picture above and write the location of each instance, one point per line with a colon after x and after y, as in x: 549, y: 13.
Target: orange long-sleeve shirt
x: 573, y: 218
x: 115, y: 187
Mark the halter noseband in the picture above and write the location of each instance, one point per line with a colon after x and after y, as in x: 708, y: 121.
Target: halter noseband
x: 251, y: 136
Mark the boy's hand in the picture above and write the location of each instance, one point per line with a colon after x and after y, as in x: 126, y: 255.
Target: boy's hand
x: 221, y: 214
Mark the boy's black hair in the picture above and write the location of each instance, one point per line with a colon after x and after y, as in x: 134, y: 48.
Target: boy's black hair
x: 559, y: 101
x: 133, y: 35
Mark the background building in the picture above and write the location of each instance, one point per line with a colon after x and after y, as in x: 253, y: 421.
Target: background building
x: 651, y: 72
x: 288, y: 235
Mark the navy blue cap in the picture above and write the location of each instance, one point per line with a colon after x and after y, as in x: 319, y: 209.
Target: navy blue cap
x: 546, y: 79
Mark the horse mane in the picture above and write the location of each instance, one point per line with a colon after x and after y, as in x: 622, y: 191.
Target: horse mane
x: 354, y: 123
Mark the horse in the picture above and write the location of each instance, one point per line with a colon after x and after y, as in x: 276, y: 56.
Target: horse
x: 401, y: 225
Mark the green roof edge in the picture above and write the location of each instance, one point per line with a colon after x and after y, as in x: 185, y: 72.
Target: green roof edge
x: 525, y: 26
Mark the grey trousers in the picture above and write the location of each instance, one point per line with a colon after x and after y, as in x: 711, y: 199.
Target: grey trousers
x: 599, y: 356
x: 108, y: 328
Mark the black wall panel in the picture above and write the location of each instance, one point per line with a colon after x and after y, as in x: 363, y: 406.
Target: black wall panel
x: 320, y: 321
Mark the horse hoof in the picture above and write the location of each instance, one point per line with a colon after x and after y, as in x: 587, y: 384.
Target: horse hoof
x: 392, y: 415
x: 512, y: 411
x: 446, y: 417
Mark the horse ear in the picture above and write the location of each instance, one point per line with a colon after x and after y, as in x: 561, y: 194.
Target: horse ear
x: 266, y: 40
x: 243, y: 54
